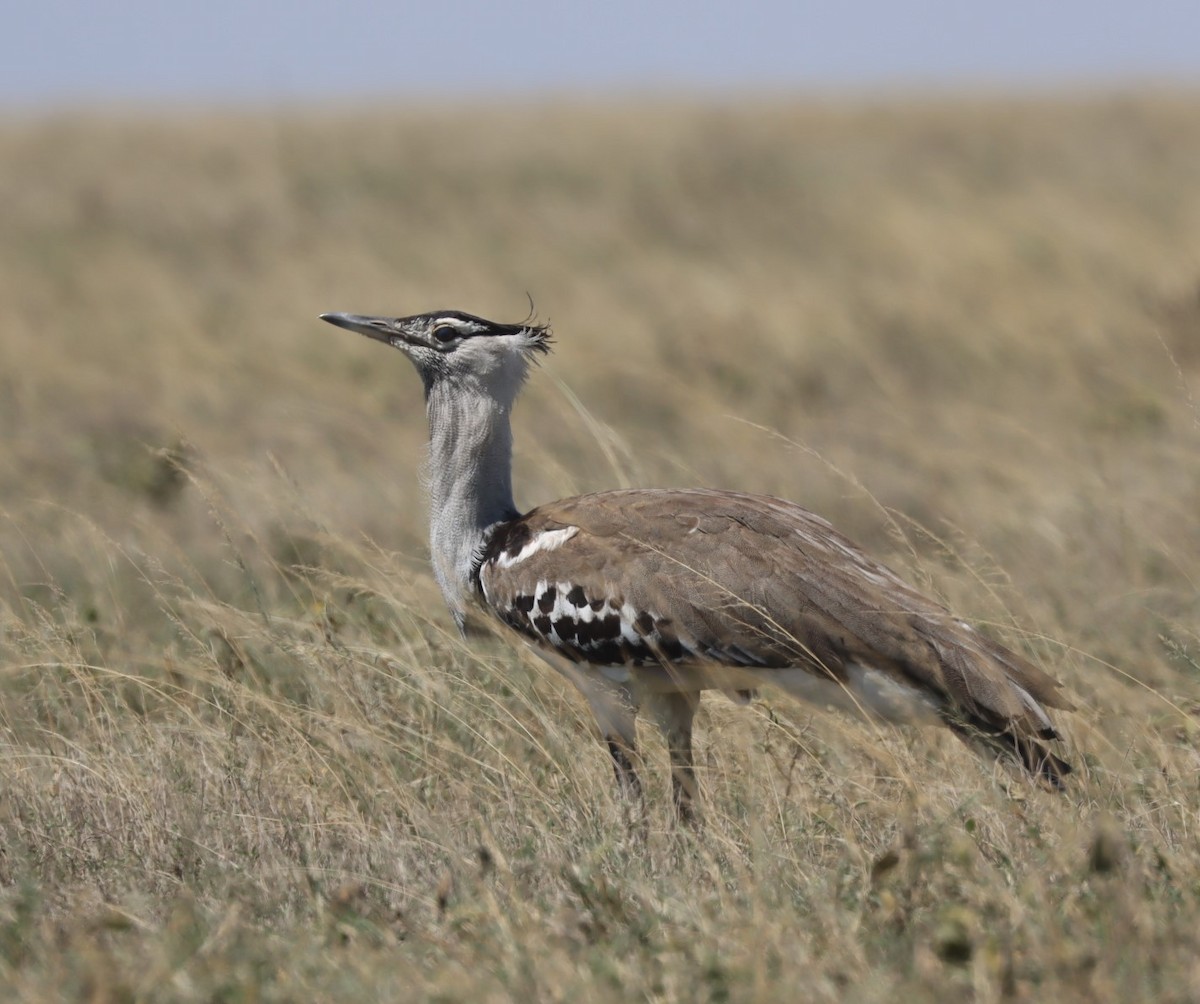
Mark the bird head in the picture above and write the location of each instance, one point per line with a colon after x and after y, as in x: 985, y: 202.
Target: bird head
x: 455, y: 347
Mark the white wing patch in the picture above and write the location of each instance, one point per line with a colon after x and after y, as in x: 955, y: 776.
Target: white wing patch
x: 547, y: 540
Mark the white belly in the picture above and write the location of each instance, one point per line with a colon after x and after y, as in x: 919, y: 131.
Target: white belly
x: 867, y: 692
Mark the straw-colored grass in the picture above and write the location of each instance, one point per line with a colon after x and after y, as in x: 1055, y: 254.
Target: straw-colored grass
x: 243, y: 754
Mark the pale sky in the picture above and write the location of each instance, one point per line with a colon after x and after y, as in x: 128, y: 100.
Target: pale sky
x: 55, y: 52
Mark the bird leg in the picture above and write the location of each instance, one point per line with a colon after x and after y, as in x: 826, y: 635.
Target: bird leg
x: 673, y: 713
x: 615, y: 708
x: 623, y: 756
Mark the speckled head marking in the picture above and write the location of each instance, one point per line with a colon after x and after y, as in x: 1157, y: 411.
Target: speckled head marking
x: 454, y: 345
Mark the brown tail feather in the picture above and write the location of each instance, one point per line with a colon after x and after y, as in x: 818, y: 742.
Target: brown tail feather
x: 1032, y: 755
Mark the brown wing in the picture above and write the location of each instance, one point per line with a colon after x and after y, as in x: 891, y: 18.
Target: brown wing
x: 690, y: 576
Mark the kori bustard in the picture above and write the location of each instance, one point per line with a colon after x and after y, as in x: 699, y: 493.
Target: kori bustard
x: 645, y: 598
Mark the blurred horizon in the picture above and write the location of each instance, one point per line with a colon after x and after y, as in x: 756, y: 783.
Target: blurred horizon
x: 227, y: 53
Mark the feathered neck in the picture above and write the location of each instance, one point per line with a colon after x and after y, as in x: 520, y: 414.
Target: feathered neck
x: 469, y: 478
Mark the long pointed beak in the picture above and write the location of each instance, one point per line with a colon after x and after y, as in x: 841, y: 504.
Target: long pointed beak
x: 379, y: 328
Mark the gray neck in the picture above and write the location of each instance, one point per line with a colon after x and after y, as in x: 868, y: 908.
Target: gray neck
x: 469, y: 480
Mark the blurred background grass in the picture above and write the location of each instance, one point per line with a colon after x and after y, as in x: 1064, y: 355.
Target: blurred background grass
x: 239, y: 737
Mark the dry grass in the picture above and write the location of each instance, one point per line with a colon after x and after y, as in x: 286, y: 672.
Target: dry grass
x: 244, y: 756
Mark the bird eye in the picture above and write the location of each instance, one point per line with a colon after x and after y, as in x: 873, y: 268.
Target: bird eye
x: 445, y: 332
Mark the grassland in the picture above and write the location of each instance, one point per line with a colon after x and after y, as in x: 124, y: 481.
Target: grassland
x: 245, y: 757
